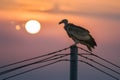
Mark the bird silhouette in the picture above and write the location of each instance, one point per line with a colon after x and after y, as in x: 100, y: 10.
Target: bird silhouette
x: 79, y: 34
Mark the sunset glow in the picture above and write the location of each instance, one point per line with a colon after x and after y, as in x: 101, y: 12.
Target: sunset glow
x: 30, y: 28
x: 18, y: 27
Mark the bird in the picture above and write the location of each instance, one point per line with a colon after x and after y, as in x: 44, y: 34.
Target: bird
x: 79, y: 34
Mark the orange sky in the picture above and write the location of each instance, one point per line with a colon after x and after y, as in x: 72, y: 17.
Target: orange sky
x: 27, y: 9
x: 100, y: 17
x: 96, y: 15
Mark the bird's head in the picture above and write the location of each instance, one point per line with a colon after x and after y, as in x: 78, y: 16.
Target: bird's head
x: 65, y: 21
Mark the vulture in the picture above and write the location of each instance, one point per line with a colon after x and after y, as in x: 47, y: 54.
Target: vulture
x: 79, y: 34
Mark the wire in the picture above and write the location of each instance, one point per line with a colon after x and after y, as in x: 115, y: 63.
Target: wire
x: 99, y: 57
x: 34, y: 58
x: 99, y: 63
x: 51, y: 58
x: 31, y: 69
x: 36, y: 62
x: 57, y: 62
x: 96, y: 69
x: 99, y: 69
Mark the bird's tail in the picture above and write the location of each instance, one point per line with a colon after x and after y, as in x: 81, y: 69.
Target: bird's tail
x: 91, y: 43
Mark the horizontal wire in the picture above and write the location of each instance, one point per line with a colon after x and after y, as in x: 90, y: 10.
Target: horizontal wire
x: 57, y: 62
x: 33, y: 58
x: 97, y: 69
x: 31, y: 70
x: 99, y: 64
x: 36, y: 62
x: 99, y: 57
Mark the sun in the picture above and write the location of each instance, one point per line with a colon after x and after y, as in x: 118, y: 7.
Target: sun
x: 32, y: 26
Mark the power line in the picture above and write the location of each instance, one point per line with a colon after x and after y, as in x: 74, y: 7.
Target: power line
x: 99, y: 69
x: 31, y: 70
x: 34, y: 58
x: 99, y: 57
x: 56, y: 57
x: 99, y: 63
x: 36, y: 62
x: 96, y: 68
x: 57, y: 62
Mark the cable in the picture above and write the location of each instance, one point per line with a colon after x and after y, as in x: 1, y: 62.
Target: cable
x: 54, y: 58
x: 96, y: 69
x: 40, y: 61
x: 31, y: 69
x: 100, y: 70
x: 57, y: 62
x: 34, y: 58
x: 99, y: 57
x: 36, y: 62
x: 99, y: 64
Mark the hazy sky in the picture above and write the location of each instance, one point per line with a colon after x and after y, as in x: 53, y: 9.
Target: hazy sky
x: 101, y: 18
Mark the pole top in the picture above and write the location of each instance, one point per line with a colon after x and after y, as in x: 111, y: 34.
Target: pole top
x: 73, y: 46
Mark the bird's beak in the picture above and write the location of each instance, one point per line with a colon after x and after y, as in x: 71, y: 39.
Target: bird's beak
x: 60, y: 22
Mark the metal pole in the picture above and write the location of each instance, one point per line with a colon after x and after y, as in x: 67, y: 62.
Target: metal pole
x: 73, y: 62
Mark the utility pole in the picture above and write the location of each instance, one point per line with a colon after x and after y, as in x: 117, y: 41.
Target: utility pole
x: 73, y: 62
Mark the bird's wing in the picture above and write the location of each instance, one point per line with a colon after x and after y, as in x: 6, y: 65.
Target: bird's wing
x: 78, y: 28
x: 78, y: 32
